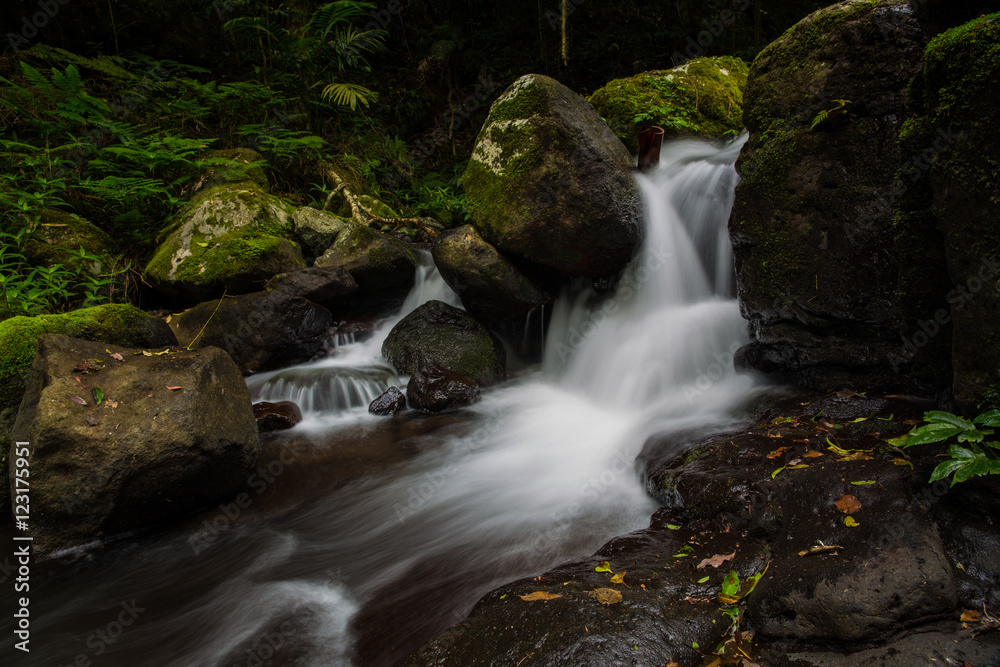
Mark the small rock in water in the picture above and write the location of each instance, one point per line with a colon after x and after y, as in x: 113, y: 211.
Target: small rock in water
x: 276, y: 416
x: 388, y: 403
x: 437, y: 389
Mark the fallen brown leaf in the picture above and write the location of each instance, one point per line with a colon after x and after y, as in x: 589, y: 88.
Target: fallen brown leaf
x: 778, y: 452
x: 606, y: 595
x: 76, y: 399
x: 173, y: 388
x: 811, y: 455
x: 847, y: 393
x: 539, y: 595
x: 847, y: 504
x: 969, y: 616
x: 91, y: 420
x: 117, y: 357
x: 716, y: 561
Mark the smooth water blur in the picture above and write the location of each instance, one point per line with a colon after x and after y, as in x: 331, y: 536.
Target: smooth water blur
x: 366, y: 535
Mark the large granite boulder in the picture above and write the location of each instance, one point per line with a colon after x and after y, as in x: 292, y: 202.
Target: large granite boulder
x: 702, y: 97
x: 812, y: 224
x: 230, y: 238
x: 489, y: 285
x: 550, y: 183
x: 60, y: 236
x: 165, y: 435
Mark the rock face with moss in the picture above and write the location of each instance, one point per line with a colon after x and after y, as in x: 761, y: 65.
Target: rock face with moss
x: 549, y: 182
x: 954, y: 167
x: 489, y: 285
x: 702, y: 97
x: 379, y: 263
x: 146, y: 453
x: 59, y: 237
x: 231, y: 237
x: 812, y: 224
x: 235, y: 165
x: 445, y: 347
x: 318, y: 229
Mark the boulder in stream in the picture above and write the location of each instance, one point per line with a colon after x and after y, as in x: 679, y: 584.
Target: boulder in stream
x: 379, y: 263
x: 260, y: 331
x: 329, y: 286
x: 278, y: 416
x: 388, y: 402
x: 130, y: 442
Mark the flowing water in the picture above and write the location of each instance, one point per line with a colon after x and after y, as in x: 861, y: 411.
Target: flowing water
x: 363, y: 536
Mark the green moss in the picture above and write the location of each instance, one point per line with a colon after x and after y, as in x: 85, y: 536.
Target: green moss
x: 59, y: 237
x: 236, y: 165
x: 961, y: 64
x: 119, y: 324
x: 230, y: 231
x: 702, y: 97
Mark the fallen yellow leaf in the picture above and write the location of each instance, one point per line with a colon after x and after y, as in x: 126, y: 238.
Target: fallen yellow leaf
x: 850, y: 522
x: 970, y: 616
x: 539, y: 595
x: 618, y: 578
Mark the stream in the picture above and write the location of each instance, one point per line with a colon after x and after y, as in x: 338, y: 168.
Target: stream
x: 360, y: 536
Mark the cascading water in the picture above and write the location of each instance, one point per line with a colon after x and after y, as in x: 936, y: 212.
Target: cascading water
x: 540, y: 472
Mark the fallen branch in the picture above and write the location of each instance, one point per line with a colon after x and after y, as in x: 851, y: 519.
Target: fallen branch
x: 364, y: 215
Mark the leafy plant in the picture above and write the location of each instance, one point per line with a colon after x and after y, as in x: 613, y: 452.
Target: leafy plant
x: 839, y: 106
x: 973, y: 460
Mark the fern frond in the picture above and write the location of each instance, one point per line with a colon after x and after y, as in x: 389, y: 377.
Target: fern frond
x: 349, y: 94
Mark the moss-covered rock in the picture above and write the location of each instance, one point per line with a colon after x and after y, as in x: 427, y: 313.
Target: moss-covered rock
x: 379, y: 263
x: 702, y: 97
x: 230, y: 237
x: 550, y: 183
x: 439, y: 336
x: 488, y: 284
x: 959, y: 149
x: 812, y: 224
x: 59, y: 237
x: 235, y: 165
x: 113, y: 323
x: 318, y: 229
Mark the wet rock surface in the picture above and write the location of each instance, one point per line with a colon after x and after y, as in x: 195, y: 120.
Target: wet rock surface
x: 861, y: 560
x: 329, y: 287
x: 435, y: 389
x: 278, y: 416
x: 388, y: 403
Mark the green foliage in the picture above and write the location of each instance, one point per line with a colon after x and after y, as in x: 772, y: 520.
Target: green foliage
x: 37, y: 290
x: 839, y: 106
x: 974, y: 460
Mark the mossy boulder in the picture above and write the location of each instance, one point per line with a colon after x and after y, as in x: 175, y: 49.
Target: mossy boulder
x: 702, y: 97
x: 437, y: 337
x: 380, y: 264
x: 954, y: 144
x: 236, y: 165
x: 318, y: 229
x: 146, y: 454
x: 230, y: 238
x: 112, y: 323
x: 812, y: 223
x: 550, y: 183
x: 489, y: 285
x: 58, y: 238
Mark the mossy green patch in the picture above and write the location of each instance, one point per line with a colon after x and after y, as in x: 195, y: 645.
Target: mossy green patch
x: 229, y: 237
x: 59, y: 237
x: 703, y: 97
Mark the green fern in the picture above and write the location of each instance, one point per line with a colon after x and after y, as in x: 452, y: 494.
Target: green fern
x: 349, y: 94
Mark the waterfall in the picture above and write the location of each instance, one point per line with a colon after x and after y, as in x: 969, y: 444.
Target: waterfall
x: 540, y: 472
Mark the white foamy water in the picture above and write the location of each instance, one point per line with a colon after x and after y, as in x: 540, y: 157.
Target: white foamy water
x: 541, y: 471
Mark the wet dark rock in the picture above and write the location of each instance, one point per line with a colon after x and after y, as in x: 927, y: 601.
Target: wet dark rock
x: 437, y: 389
x: 173, y: 433
x: 261, y: 331
x: 329, y: 286
x: 389, y: 403
x: 318, y: 229
x: 489, y: 285
x: 276, y: 416
x: 550, y: 183
x: 437, y: 335
x: 378, y: 262
x: 812, y: 225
